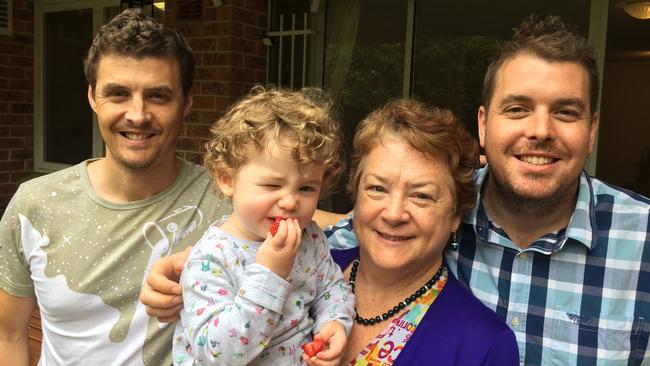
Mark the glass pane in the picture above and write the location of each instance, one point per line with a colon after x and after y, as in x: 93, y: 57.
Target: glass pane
x: 364, y: 62
x: 67, y: 116
x: 454, y: 41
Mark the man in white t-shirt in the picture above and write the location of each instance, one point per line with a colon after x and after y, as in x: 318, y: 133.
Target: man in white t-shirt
x: 81, y: 241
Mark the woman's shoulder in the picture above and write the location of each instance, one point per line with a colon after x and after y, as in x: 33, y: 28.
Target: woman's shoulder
x: 469, y: 310
x: 471, y: 332
x: 478, y: 327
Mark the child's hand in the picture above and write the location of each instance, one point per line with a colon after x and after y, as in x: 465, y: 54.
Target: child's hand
x: 278, y: 252
x: 334, y: 338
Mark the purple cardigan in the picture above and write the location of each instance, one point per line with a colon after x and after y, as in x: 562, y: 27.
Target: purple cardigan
x: 456, y: 330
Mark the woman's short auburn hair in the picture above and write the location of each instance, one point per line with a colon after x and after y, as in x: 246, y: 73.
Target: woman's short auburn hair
x: 300, y: 121
x: 433, y: 131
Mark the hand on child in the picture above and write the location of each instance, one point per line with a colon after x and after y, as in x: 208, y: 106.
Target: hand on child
x: 278, y: 252
x: 333, y: 336
x: 161, y: 292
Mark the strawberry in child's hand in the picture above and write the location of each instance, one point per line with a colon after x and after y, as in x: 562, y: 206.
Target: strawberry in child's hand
x: 275, y: 225
x: 318, y: 345
x: 312, y: 348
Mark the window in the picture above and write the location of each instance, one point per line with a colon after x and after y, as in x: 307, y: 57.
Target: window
x: 453, y: 42
x: 66, y: 131
x: 435, y: 51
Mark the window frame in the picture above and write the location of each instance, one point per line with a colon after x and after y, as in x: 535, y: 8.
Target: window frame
x: 8, y: 29
x: 40, y: 9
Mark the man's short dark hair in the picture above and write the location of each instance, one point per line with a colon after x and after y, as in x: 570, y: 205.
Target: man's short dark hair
x: 550, y: 39
x: 135, y: 35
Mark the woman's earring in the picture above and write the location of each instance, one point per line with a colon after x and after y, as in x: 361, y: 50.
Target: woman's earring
x: 454, y: 241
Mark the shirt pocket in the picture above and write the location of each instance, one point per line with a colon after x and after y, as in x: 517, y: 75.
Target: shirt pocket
x: 601, y: 340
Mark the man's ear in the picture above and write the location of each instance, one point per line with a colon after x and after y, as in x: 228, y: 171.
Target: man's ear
x: 189, y: 101
x: 482, y: 120
x: 593, y: 131
x: 91, y: 98
x: 226, y: 183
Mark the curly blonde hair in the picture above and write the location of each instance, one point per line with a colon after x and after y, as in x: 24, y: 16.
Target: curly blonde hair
x: 300, y: 121
x: 433, y: 131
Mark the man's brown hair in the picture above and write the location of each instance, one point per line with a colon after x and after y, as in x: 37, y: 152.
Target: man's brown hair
x: 133, y: 34
x: 550, y: 39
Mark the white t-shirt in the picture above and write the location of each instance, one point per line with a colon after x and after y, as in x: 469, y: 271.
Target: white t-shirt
x: 85, y: 259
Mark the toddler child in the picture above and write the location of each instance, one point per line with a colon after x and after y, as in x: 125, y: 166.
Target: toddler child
x: 252, y: 297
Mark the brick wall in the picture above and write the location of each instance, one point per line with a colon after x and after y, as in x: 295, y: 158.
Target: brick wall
x: 16, y: 101
x: 230, y: 59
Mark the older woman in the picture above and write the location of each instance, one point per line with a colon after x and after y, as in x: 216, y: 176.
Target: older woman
x: 411, y: 180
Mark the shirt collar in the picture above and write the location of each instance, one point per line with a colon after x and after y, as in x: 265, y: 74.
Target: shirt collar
x: 581, y: 227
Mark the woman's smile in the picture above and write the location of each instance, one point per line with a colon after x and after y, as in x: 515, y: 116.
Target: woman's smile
x: 393, y: 237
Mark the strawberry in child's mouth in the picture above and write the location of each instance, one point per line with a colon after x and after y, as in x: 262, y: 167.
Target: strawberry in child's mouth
x: 276, y: 225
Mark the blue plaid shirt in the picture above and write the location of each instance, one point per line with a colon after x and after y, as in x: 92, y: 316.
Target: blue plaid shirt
x: 579, y: 296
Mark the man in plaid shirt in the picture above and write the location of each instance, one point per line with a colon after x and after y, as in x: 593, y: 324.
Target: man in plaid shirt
x: 562, y: 257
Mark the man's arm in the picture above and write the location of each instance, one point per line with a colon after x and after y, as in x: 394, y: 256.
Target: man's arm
x: 325, y: 218
x: 161, y: 293
x: 15, y: 313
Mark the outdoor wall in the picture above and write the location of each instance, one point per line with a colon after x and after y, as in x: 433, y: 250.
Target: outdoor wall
x: 230, y: 59
x: 16, y: 106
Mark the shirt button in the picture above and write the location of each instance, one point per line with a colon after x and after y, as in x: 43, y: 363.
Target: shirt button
x: 523, y: 256
x: 515, y: 321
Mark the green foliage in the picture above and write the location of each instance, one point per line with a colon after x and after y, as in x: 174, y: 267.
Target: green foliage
x: 448, y: 72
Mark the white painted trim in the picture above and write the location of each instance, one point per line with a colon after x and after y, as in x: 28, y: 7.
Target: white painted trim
x: 598, y: 37
x: 317, y: 46
x: 292, y: 32
x: 8, y: 30
x: 408, y: 49
x: 40, y: 9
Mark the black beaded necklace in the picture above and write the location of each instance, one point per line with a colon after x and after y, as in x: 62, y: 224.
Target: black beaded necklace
x: 397, y: 308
